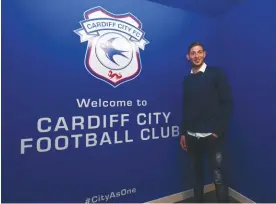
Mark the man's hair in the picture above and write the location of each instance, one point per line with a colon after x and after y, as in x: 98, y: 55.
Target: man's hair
x: 194, y: 44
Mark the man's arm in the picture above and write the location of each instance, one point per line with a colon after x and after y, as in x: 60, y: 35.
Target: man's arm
x: 225, y: 101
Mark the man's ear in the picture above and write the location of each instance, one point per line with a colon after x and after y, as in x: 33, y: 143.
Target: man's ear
x: 187, y: 56
x: 205, y: 54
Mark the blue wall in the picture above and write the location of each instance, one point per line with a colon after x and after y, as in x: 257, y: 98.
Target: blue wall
x: 43, y: 75
x: 247, y: 47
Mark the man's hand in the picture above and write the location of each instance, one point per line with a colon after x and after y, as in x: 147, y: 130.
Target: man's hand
x: 183, y: 143
x: 214, y: 135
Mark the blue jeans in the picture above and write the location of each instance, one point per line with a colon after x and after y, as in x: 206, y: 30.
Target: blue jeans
x: 211, y: 147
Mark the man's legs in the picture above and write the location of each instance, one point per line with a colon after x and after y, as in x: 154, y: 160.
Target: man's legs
x: 214, y: 148
x: 195, y: 151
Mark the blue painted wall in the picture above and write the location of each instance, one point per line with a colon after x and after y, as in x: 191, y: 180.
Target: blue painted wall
x: 43, y: 75
x: 247, y: 43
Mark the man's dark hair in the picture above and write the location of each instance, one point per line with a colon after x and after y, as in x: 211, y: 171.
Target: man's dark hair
x: 194, y: 44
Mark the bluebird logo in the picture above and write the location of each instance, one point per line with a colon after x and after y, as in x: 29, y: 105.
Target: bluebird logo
x: 113, y: 45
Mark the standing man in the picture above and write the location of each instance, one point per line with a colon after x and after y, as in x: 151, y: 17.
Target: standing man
x: 207, y: 106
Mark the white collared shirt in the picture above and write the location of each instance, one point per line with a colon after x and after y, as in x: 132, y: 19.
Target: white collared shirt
x: 201, y: 69
x: 197, y: 134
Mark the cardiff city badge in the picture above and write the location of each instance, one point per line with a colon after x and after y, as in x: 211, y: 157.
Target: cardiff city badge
x: 113, y: 43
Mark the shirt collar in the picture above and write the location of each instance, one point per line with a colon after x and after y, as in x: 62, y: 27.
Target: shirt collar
x: 201, y: 69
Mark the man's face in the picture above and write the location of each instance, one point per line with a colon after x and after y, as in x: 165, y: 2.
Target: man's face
x: 196, y: 56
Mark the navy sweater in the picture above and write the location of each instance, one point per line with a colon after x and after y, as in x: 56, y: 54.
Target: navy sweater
x: 207, y: 102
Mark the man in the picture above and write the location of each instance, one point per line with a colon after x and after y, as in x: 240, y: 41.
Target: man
x: 207, y: 106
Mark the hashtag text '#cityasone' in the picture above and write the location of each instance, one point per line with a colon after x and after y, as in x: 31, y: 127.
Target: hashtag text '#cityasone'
x: 110, y: 196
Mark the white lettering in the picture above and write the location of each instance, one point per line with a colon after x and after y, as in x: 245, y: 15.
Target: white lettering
x: 66, y: 143
x: 105, y: 104
x: 61, y: 124
x: 76, y: 139
x: 112, y: 120
x: 109, y: 196
x: 75, y: 123
x: 104, y: 121
x: 142, y: 135
x: 139, y: 119
x: 86, y: 103
x: 80, y: 122
x: 124, y: 119
x: 105, y: 138
x: 94, y: 199
x: 90, y: 123
x: 157, y: 117
x: 163, y: 135
x: 153, y: 133
x: 23, y: 145
x: 116, y: 139
x: 175, y: 131
x: 126, y: 137
x: 123, y: 192
x: 143, y: 118
x: 167, y: 117
x: 62, y: 142
x: 158, y: 133
x: 48, y: 143
x: 39, y: 128
x: 93, y: 139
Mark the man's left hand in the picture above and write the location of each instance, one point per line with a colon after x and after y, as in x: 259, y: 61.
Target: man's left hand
x: 214, y: 134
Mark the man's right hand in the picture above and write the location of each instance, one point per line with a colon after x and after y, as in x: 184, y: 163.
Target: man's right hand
x: 183, y: 143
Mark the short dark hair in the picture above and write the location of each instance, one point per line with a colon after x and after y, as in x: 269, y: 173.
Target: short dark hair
x: 194, y: 44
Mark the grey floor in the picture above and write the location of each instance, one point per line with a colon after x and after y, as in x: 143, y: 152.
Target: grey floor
x: 209, y: 198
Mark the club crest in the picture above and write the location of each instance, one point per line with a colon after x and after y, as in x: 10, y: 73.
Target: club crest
x: 113, y: 43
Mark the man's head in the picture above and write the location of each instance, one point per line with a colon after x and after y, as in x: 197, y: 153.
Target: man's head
x: 196, y: 54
